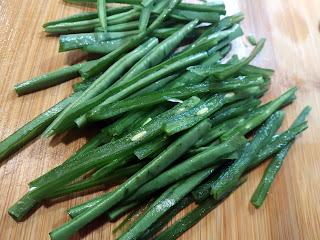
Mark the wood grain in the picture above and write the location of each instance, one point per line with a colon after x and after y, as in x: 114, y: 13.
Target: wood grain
x: 292, y: 209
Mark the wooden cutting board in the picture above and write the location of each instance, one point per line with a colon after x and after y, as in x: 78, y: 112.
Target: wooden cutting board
x: 291, y: 210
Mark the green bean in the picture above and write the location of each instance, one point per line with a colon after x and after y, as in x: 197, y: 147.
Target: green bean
x: 88, y: 15
x: 80, y: 40
x: 121, y: 27
x: 269, y: 175
x: 99, y: 65
x: 155, y: 86
x: 164, y: 203
x: 154, y: 128
x: 164, y: 220
x: 105, y: 111
x: 234, y: 172
x: 91, y: 24
x: 48, y: 80
x: 217, y: 7
x: 253, y: 70
x: 256, y: 119
x: 206, y: 109
x: 102, y: 13
x: 193, y: 217
x: 101, y: 138
x: 118, y: 127
x: 210, y: 17
x: 105, y: 80
x: 210, y: 158
x: 149, y: 148
x: 235, y: 110
x: 137, y: 83
x: 219, y: 130
x: 160, y: 52
x: 115, y: 214
x: 152, y: 169
x: 145, y: 14
x: 224, y: 71
x: 32, y: 129
x: 106, y: 47
x: 121, y: 174
x: 97, y: 158
x: 278, y: 142
x: 81, y: 86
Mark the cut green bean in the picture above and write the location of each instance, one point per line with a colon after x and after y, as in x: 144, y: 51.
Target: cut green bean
x: 120, y: 175
x: 106, y: 47
x: 206, y: 109
x: 104, y: 81
x: 164, y: 203
x: 101, y: 64
x: 210, y: 158
x: 235, y: 110
x: 149, y: 148
x: 80, y: 40
x: 136, y: 84
x: 48, y: 80
x: 210, y: 17
x: 278, y: 142
x: 164, y: 220
x: 260, y: 116
x: 269, y: 175
x: 234, y: 172
x: 102, y: 13
x: 105, y: 111
x: 224, y: 71
x: 97, y: 158
x: 115, y: 214
x: 145, y: 14
x: 152, y: 169
x: 88, y: 15
x: 32, y: 129
x: 160, y: 52
x: 193, y: 217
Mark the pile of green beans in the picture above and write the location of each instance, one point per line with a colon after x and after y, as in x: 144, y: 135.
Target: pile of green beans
x: 178, y: 123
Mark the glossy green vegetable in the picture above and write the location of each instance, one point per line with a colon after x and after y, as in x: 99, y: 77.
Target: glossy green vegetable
x: 193, y: 217
x: 256, y: 119
x: 269, y: 175
x: 106, y: 47
x: 105, y: 111
x: 32, y: 129
x: 101, y: 138
x: 116, y: 22
x: 101, y: 64
x: 164, y: 220
x: 151, y: 147
x: 102, y: 13
x: 206, y: 109
x: 235, y: 110
x: 164, y: 203
x: 210, y: 17
x: 117, y: 212
x: 145, y: 14
x: 224, y: 71
x: 97, y: 157
x: 209, y: 158
x: 88, y: 15
x: 158, y: 54
x: 279, y: 142
x: 119, y: 175
x: 152, y: 169
x: 103, y: 82
x: 48, y: 80
x: 80, y: 40
x: 136, y: 84
x: 232, y: 175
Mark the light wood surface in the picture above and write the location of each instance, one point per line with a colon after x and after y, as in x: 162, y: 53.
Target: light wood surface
x: 292, y: 209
